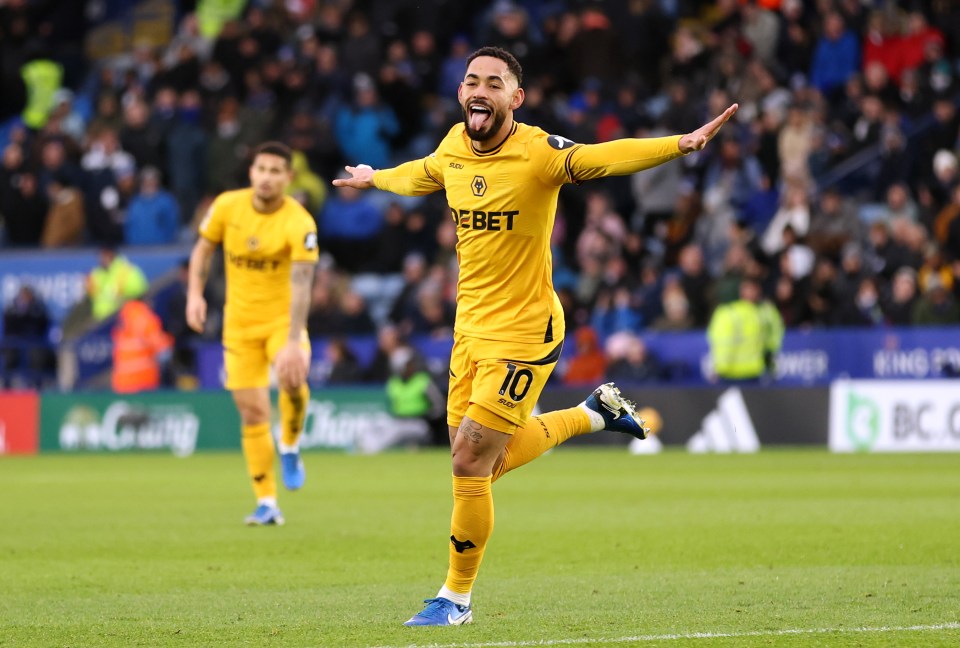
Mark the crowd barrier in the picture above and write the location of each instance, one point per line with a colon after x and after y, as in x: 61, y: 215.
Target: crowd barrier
x: 846, y: 416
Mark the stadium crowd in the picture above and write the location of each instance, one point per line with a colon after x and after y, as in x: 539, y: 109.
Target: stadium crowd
x: 838, y: 185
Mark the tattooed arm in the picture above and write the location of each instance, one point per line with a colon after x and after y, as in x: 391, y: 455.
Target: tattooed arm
x: 293, y: 364
x: 198, y: 272
x: 301, y: 281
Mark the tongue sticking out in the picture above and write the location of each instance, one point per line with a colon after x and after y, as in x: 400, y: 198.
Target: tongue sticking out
x: 478, y: 119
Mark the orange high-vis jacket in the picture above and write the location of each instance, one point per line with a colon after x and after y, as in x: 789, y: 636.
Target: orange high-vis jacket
x: 138, y: 338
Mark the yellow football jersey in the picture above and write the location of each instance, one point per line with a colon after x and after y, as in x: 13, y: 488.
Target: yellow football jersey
x: 504, y: 202
x: 257, y: 252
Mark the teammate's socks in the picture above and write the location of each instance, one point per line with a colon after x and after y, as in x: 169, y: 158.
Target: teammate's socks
x: 293, y: 411
x: 259, y: 454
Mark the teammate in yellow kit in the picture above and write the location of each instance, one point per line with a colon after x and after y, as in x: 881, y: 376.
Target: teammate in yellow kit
x: 269, y: 252
x: 502, y: 179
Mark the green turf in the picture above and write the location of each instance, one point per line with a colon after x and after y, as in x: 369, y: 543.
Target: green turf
x: 148, y: 550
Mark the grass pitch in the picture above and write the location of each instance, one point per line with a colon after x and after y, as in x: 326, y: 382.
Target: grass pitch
x: 591, y: 547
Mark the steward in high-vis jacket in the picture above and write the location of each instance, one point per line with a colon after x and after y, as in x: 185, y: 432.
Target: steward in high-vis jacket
x: 139, y: 343
x: 745, y: 335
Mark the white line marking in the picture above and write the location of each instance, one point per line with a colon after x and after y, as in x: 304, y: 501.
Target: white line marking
x: 953, y: 625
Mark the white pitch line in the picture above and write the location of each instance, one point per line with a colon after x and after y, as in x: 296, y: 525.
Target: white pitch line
x: 953, y: 625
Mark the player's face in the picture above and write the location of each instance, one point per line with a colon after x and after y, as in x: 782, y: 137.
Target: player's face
x: 269, y: 177
x: 488, y: 95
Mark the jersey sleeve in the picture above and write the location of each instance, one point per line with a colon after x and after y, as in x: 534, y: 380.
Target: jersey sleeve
x: 560, y: 160
x: 550, y: 157
x: 414, y: 178
x: 622, y: 157
x: 212, y: 225
x: 303, y: 239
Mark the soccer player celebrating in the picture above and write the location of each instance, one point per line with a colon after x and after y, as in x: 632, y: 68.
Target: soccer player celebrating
x: 269, y: 251
x: 502, y: 179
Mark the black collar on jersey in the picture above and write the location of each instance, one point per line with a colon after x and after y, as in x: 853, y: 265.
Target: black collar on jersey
x: 495, y: 149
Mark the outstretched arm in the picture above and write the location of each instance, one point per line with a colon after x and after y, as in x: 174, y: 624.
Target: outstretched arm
x: 626, y: 156
x: 696, y: 140
x: 414, y: 178
x: 361, y: 177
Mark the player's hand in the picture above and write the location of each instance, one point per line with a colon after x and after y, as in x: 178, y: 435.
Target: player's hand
x: 196, y: 312
x: 696, y: 140
x: 292, y: 366
x: 361, y: 177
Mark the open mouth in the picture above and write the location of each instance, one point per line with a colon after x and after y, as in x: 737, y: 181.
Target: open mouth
x: 478, y: 115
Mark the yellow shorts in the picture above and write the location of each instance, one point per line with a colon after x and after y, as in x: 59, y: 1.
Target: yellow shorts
x: 502, y: 378
x: 247, y: 360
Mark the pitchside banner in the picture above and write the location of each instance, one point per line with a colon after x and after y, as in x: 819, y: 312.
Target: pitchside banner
x: 18, y: 422
x: 895, y: 416
x: 183, y: 422
x: 718, y: 419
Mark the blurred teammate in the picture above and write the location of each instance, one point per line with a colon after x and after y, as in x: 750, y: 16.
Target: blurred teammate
x: 269, y: 250
x: 502, y: 179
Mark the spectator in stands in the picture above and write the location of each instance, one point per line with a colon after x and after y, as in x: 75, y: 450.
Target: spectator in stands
x: 614, y: 311
x: 140, y: 348
x: 325, y: 317
x: 821, y: 292
x: 695, y: 282
x: 833, y: 223
x: 65, y: 223
x: 675, y: 308
x: 726, y: 287
x: 434, y: 315
x: 588, y: 364
x: 115, y: 281
x: 186, y: 145
x: 349, y: 225
x: 22, y: 205
x: 745, y: 336
x: 414, y: 398
x: 836, y: 56
x: 730, y: 178
x: 307, y: 187
x: 355, y: 318
x: 936, y: 307
x: 142, y: 136
x: 26, y: 356
x: 68, y: 119
x: 794, y: 213
x: 934, y: 264
x: 629, y: 361
x: 795, y: 143
x: 946, y: 226
x: 343, y: 366
x: 862, y: 308
x: 789, y: 298
x: 898, y: 306
x: 153, y: 216
x: 389, y: 340
x: 364, y: 128
x: 234, y: 135
x: 56, y: 166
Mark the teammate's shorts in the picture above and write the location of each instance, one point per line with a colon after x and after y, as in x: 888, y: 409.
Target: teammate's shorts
x: 247, y: 361
x: 505, y: 378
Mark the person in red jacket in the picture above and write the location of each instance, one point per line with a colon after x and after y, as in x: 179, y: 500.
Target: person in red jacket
x: 139, y: 342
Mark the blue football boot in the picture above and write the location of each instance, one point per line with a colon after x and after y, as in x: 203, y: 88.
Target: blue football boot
x: 441, y: 612
x: 619, y: 414
x: 264, y: 515
x: 291, y: 467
